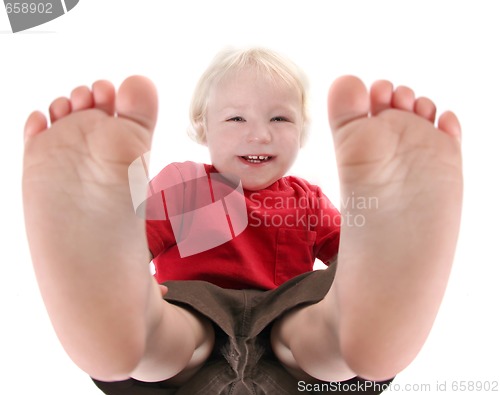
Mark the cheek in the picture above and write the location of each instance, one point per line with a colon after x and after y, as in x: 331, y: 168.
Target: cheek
x: 292, y: 147
x: 220, y: 151
x: 293, y: 155
x: 215, y: 152
x: 291, y: 140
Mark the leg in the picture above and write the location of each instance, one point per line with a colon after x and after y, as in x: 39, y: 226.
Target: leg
x: 393, y: 270
x: 89, y: 248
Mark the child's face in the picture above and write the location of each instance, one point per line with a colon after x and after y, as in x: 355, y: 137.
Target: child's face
x: 253, y: 127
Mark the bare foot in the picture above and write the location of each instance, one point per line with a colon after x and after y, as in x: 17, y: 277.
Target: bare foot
x: 85, y: 239
x: 76, y: 171
x: 401, y: 178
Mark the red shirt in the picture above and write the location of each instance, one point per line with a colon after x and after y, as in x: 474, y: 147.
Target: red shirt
x: 290, y: 224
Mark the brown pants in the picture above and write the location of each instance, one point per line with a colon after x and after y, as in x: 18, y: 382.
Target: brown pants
x: 242, y: 362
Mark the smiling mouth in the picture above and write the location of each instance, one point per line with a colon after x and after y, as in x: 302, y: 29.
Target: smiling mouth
x: 257, y: 158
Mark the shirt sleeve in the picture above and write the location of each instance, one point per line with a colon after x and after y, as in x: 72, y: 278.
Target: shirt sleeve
x: 158, y: 228
x: 325, y: 220
x: 166, y: 198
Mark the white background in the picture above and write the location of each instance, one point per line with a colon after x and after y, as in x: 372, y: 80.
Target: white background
x: 447, y: 50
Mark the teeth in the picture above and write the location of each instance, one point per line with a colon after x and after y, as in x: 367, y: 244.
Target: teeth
x: 257, y: 157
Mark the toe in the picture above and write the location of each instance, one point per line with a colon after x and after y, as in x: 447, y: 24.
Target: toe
x: 104, y: 96
x: 403, y: 98
x: 448, y: 123
x: 137, y: 100
x: 425, y: 108
x: 348, y: 100
x: 81, y: 98
x: 380, y: 96
x: 59, y: 108
x: 35, y: 124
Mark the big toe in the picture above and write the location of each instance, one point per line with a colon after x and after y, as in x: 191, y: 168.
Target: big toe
x: 137, y: 100
x: 348, y: 99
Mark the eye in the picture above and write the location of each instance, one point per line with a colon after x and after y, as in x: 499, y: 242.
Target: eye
x: 279, y: 119
x: 236, y: 119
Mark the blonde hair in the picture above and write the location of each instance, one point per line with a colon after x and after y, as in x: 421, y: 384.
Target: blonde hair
x: 231, y: 60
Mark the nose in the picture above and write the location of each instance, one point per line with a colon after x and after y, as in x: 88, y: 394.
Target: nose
x: 259, y: 133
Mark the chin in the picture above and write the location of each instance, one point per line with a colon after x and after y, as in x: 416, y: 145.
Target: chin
x: 256, y: 186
